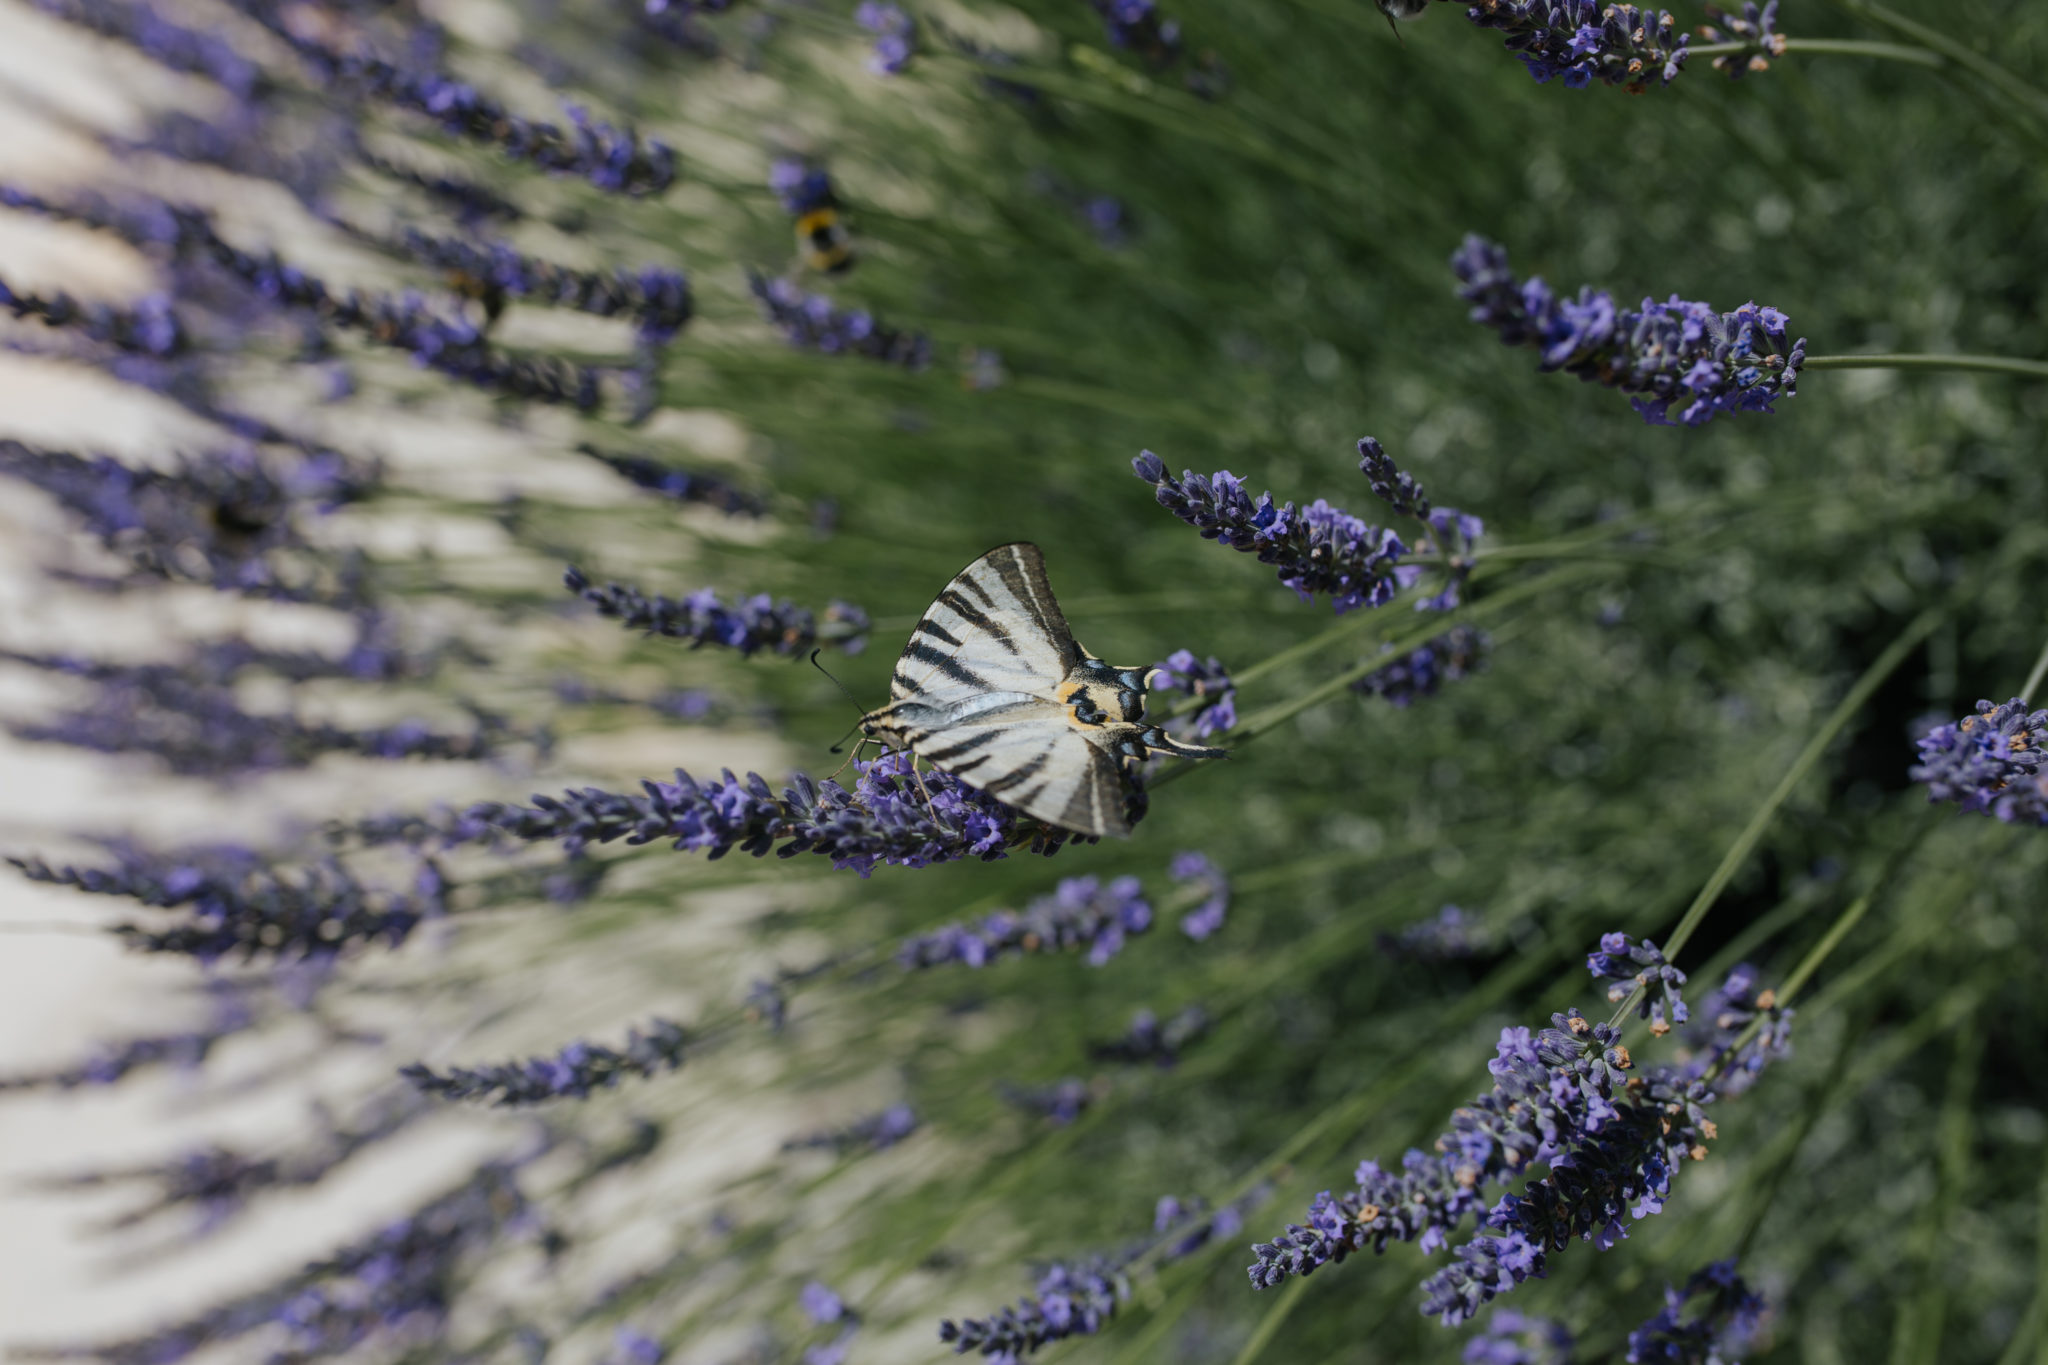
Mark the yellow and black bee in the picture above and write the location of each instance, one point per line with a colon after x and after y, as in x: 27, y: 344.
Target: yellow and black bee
x: 821, y: 237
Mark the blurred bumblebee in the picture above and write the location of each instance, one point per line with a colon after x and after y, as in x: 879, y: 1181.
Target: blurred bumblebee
x: 489, y: 293
x: 821, y: 237
x: 1401, y: 9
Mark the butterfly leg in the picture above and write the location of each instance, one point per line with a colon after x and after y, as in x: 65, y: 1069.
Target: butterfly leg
x: 931, y: 809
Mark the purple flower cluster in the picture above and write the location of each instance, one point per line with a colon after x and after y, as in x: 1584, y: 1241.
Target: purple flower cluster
x: 802, y: 188
x: 1989, y: 763
x: 810, y: 322
x: 825, y: 1308
x: 396, y: 1285
x: 886, y: 818
x: 895, y: 36
x: 1728, y: 1315
x: 1450, y: 935
x: 470, y: 202
x: 1318, y: 548
x: 1511, y: 1338
x: 749, y: 626
x: 572, y: 1073
x: 167, y: 43
x: 1584, y: 40
x: 1720, y: 1036
x: 1138, y: 26
x: 231, y: 520
x: 229, y: 901
x: 610, y: 158
x: 111, y: 1061
x: 1207, y: 917
x: 149, y: 328
x: 871, y: 1134
x: 1206, y: 680
x: 1454, y: 655
x: 656, y: 298
x: 688, y: 704
x: 1631, y: 966
x: 1563, y: 1099
x: 1683, y: 362
x: 1063, y: 1101
x: 683, y: 485
x: 1755, y: 28
x: 1148, y: 1040
x: 1082, y: 914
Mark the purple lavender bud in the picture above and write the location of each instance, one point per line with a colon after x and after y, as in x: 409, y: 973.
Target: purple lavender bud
x: 683, y: 485
x: 1207, y: 917
x: 1989, y: 763
x: 1724, y: 1014
x: 149, y: 328
x: 1452, y: 656
x: 1450, y: 935
x: 1727, y: 1316
x: 1755, y: 28
x: 472, y: 204
x: 886, y: 818
x: 1082, y: 915
x: 1207, y: 680
x: 111, y: 1061
x: 1684, y: 362
x: 1629, y: 965
x: 1580, y: 40
x: 656, y: 298
x: 1062, y: 1102
x: 573, y: 1073
x: 871, y: 1134
x: 810, y: 322
x: 172, y: 45
x: 230, y: 901
x: 1318, y: 548
x: 1147, y: 1040
x: 820, y: 1304
x: 1398, y: 490
x: 1138, y: 26
x: 749, y: 626
x: 802, y: 188
x: 895, y: 36
x: 1511, y: 1338
x: 1071, y: 1299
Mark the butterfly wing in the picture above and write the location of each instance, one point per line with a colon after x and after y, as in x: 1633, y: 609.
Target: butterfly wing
x: 976, y: 694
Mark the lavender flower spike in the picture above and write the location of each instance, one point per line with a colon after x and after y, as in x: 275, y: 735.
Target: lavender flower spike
x: 1756, y: 29
x: 1629, y: 964
x: 1684, y: 362
x: 1513, y: 1338
x: 1318, y: 548
x: 1206, y: 918
x: 1206, y: 680
x: 572, y: 1073
x: 149, y: 327
x: 1989, y: 763
x: 1082, y: 914
x: 1581, y: 40
x: 873, y: 1133
x: 895, y: 36
x: 755, y: 624
x: 810, y: 322
x: 1728, y: 1316
x: 1450, y: 657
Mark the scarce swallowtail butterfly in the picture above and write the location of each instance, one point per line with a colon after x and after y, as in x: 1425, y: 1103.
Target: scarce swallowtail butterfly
x: 993, y: 689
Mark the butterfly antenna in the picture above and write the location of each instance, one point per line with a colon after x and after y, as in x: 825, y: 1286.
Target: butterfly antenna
x: 838, y: 684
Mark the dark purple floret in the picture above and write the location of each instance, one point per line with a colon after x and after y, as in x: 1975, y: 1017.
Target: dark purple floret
x: 886, y: 818
x: 1082, y: 915
x: 1683, y: 362
x: 1206, y: 680
x: 656, y: 298
x: 1726, y: 1317
x: 1450, y: 935
x: 229, y: 901
x: 1716, y: 1032
x: 1062, y: 1102
x: 1630, y: 964
x: 801, y: 187
x: 1318, y: 548
x: 612, y: 159
x: 810, y: 322
x: 1581, y: 40
x: 1138, y: 26
x: 173, y: 45
x: 1452, y: 656
x: 749, y: 626
x: 870, y: 1134
x: 1191, y: 870
x: 1149, y: 1041
x: 1756, y: 28
x: 895, y: 36
x: 1989, y: 763
x: 631, y: 1346
x: 148, y: 328
x: 1512, y: 1338
x: 572, y: 1073
x: 683, y: 485
x: 825, y: 1308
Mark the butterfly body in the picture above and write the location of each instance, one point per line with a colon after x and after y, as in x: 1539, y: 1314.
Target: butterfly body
x: 993, y: 689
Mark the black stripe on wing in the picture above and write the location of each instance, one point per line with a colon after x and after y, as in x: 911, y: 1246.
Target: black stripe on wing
x: 943, y: 663
x: 1022, y: 571
x: 976, y: 617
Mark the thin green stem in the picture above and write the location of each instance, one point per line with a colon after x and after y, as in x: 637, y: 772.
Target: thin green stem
x: 2035, y: 674
x: 1991, y: 73
x: 1745, y: 843
x: 1831, y: 47
x: 2021, y: 1347
x: 1988, y: 364
x: 1270, y: 1324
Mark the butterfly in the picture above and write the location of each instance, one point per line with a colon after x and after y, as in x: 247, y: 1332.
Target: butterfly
x: 992, y: 689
